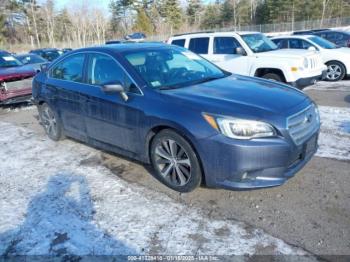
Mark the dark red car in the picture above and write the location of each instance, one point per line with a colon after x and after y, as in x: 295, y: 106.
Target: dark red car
x: 15, y: 80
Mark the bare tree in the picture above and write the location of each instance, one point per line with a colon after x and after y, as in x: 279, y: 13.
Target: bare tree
x: 33, y: 13
x: 324, y: 7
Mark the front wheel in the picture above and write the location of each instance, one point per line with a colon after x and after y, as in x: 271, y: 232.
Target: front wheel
x: 175, y: 162
x: 50, y: 122
x: 273, y: 76
x: 335, y: 71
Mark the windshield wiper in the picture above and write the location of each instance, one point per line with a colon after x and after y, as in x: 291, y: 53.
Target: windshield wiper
x: 169, y: 87
x: 199, y: 81
x: 208, y: 79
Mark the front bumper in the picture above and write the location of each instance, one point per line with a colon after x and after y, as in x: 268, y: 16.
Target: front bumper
x: 16, y: 100
x: 260, y: 163
x: 13, y: 95
x: 304, y: 82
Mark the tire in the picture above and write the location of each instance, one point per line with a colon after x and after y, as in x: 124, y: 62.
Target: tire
x: 50, y: 121
x: 335, y: 71
x: 273, y: 76
x: 175, y: 162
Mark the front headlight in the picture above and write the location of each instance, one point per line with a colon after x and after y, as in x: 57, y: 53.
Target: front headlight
x: 306, y: 62
x: 240, y: 128
x: 317, y: 112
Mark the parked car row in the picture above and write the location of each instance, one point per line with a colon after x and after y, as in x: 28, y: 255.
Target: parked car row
x: 253, y: 54
x: 15, y: 79
x: 17, y: 71
x: 340, y: 38
x: 180, y: 108
x: 336, y: 58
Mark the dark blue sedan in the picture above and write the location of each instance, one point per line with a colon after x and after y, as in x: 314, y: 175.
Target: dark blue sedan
x: 167, y: 106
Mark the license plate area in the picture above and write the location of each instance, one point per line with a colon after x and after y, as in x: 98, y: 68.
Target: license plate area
x: 310, y: 146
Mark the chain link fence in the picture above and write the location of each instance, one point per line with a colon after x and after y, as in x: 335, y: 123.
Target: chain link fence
x: 273, y: 28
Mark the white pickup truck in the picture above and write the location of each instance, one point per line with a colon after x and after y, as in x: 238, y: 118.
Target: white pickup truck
x: 253, y: 54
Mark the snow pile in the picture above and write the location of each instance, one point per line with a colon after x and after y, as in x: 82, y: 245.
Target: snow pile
x: 57, y: 198
x: 343, y: 85
x: 334, y: 140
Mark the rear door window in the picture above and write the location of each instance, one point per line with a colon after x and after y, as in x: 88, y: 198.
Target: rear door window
x: 178, y: 42
x: 306, y: 44
x: 199, y: 45
x: 332, y: 36
x: 295, y: 44
x: 225, y: 45
x: 281, y: 43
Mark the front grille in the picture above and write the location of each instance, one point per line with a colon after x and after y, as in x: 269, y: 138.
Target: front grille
x: 314, y: 62
x: 303, y: 125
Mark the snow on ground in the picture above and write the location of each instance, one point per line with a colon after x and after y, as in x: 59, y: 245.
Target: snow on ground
x: 343, y: 85
x: 56, y: 198
x: 334, y: 140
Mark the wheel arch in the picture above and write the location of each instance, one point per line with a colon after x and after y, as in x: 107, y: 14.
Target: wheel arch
x: 259, y: 72
x: 333, y: 60
x: 180, y: 131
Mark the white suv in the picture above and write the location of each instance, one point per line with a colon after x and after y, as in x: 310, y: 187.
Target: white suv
x: 253, y: 54
x: 336, y: 58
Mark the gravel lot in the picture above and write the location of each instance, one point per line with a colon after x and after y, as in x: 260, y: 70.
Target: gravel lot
x: 311, y: 211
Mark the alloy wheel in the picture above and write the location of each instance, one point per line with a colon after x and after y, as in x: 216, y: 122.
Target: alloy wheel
x: 334, y: 72
x: 173, y: 162
x: 49, y: 121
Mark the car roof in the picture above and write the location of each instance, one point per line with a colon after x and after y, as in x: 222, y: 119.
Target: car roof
x: 2, y: 52
x: 124, y: 47
x: 45, y: 49
x: 336, y: 31
x: 291, y: 36
x: 213, y: 33
x: 26, y: 54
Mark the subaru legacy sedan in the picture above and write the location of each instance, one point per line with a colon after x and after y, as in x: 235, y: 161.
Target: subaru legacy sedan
x: 166, y: 106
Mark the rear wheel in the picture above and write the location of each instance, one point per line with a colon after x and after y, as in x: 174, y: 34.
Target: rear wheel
x: 335, y: 71
x: 50, y: 122
x: 273, y: 76
x: 175, y: 162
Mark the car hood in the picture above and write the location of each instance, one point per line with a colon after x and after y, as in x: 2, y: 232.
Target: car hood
x: 339, y: 51
x: 240, y: 94
x: 285, y: 53
x: 18, y: 72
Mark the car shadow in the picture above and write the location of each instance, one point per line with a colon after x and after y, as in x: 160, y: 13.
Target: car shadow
x: 347, y: 99
x: 345, y: 126
x: 59, y: 222
x: 16, y: 105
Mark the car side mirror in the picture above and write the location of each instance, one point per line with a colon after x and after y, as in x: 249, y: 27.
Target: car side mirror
x: 312, y: 48
x: 115, y: 88
x: 43, y: 67
x: 240, y: 51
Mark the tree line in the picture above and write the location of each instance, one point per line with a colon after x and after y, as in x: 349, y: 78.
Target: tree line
x: 26, y: 21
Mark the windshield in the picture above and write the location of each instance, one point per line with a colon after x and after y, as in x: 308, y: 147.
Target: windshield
x: 323, y: 42
x: 31, y: 59
x: 9, y: 61
x: 172, y: 67
x: 259, y: 43
x: 51, y: 55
